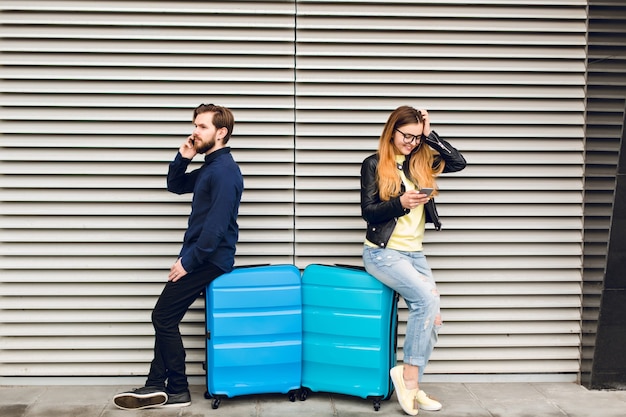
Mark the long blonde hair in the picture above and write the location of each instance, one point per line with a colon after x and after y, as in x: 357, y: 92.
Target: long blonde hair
x: 422, y: 168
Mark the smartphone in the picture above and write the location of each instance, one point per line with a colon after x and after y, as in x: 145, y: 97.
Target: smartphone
x: 427, y: 191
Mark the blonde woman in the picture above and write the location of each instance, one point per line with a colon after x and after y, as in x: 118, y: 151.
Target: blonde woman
x: 397, y: 186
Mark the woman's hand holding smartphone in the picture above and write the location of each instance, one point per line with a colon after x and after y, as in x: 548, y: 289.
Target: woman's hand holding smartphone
x: 427, y: 191
x: 413, y: 198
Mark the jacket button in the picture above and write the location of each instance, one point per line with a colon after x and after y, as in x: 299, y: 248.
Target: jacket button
x: 373, y: 229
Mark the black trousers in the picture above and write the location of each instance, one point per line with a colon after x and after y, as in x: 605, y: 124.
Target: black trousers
x: 168, y: 365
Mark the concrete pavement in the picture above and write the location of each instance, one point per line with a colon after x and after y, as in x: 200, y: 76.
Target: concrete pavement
x: 559, y: 399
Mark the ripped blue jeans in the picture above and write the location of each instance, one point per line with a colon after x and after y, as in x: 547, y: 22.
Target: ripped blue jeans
x: 410, y: 276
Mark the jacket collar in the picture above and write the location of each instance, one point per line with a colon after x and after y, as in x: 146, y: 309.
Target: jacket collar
x: 210, y: 157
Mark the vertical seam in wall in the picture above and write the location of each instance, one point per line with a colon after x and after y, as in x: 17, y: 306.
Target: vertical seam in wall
x: 295, y: 86
x: 581, y: 323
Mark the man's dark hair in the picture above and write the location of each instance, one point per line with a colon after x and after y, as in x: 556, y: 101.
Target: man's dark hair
x: 222, y: 117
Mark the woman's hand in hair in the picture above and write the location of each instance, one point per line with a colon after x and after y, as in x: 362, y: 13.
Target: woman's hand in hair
x: 426, y: 120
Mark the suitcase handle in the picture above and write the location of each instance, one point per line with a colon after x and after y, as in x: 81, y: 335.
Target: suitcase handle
x: 357, y: 267
x: 250, y: 266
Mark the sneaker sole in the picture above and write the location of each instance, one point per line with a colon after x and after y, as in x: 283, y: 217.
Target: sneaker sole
x: 426, y: 408
x: 136, y: 402
x: 175, y: 405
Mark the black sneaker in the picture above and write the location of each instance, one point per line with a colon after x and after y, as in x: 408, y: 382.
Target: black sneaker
x: 177, y: 400
x: 144, y: 397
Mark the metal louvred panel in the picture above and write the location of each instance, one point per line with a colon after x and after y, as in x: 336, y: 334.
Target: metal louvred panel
x: 96, y: 98
x: 94, y: 107
x: 504, y: 82
x: 606, y: 107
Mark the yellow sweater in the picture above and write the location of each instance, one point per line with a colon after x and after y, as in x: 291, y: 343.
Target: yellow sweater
x: 408, y: 234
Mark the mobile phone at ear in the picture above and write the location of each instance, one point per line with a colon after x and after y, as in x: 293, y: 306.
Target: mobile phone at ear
x: 427, y: 191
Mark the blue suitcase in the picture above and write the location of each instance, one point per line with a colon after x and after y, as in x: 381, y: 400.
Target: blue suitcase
x: 254, y: 332
x: 349, y: 333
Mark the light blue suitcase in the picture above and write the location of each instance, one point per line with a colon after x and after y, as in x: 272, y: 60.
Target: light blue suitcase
x: 349, y: 333
x: 254, y: 332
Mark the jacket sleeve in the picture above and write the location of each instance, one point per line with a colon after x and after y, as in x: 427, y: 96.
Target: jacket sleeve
x: 178, y: 181
x: 454, y: 161
x: 373, y: 209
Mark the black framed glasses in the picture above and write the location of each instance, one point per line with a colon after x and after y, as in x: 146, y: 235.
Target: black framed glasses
x: 408, y: 138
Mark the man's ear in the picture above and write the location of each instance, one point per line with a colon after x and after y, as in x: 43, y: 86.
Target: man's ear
x: 222, y: 132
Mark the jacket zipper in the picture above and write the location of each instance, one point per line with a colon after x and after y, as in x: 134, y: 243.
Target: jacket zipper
x: 443, y: 146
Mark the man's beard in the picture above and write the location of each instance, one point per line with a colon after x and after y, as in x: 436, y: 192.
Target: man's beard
x: 204, y: 147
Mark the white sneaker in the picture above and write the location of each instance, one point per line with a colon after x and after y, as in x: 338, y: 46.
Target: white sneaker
x: 406, y: 397
x: 426, y: 403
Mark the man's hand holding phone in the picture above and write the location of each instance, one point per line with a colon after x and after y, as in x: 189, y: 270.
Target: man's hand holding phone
x: 187, y: 149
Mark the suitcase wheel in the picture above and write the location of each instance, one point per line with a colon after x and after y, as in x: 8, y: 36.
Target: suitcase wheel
x: 207, y: 395
x: 292, y: 396
x: 216, y: 403
x: 304, y: 393
x: 376, y: 404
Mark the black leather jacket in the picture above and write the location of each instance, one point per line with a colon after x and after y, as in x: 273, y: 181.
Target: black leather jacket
x: 382, y: 216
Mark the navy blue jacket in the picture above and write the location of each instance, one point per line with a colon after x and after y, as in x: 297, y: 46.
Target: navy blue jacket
x: 212, y: 230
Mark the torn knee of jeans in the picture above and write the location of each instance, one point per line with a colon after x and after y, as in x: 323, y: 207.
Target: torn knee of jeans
x: 438, y: 320
x: 435, y: 292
